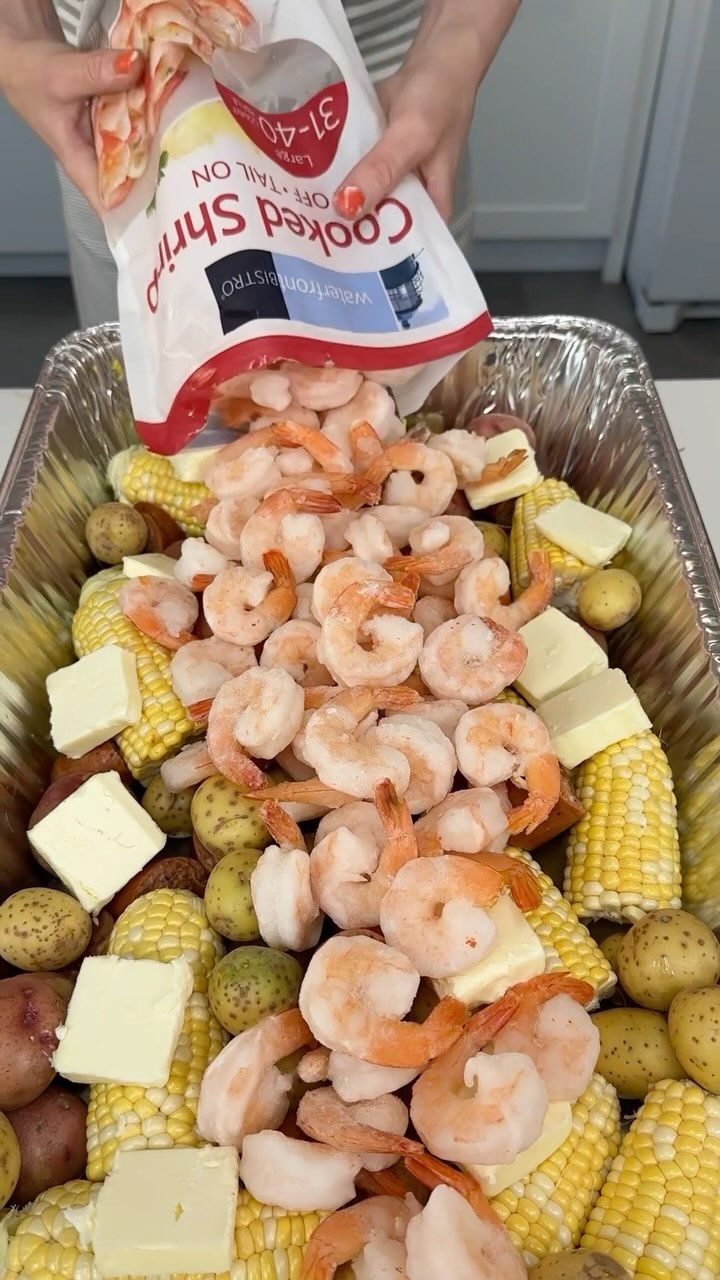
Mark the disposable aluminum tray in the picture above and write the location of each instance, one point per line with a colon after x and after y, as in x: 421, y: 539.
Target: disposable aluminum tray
x: 587, y: 391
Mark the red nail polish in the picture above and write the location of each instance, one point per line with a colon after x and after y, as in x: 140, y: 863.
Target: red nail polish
x: 125, y: 61
x: 350, y: 201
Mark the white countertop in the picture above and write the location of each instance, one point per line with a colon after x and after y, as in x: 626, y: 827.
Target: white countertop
x: 692, y: 408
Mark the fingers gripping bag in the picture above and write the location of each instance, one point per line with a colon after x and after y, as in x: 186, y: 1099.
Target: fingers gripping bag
x: 217, y: 175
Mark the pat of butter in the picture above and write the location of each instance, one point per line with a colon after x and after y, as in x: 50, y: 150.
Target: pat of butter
x: 151, y: 564
x: 516, y: 954
x: 494, y: 1178
x: 591, y: 716
x: 123, y: 1022
x: 560, y: 654
x: 586, y: 533
x: 93, y: 700
x: 168, y: 1212
x: 96, y: 840
x: 519, y: 481
x: 192, y: 464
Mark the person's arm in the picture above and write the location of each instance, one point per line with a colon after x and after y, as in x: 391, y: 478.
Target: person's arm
x: 50, y: 84
x: 429, y: 103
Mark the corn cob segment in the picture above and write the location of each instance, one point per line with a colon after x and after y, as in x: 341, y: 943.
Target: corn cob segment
x: 50, y: 1243
x: 623, y: 857
x: 140, y: 476
x: 565, y: 939
x: 547, y: 1211
x: 167, y: 924
x: 524, y: 537
x: 164, y: 724
x: 659, y: 1208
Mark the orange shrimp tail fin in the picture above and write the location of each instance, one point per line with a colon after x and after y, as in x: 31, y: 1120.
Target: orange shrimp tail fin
x: 396, y: 699
x: 485, y: 1024
x: 547, y: 985
x: 540, y: 566
x: 199, y: 711
x: 314, y: 500
x: 237, y: 411
x: 503, y: 467
x: 524, y: 887
x: 310, y: 791
x: 288, y: 434
x: 281, y: 826
x: 432, y: 1173
x: 394, y: 813
x: 201, y: 510
x: 443, y: 1025
x: 355, y: 491
x: 383, y: 1183
x: 278, y: 565
x: 379, y: 469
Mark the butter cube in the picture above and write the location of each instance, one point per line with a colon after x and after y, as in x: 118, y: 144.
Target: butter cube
x: 96, y: 840
x: 516, y: 954
x: 93, y: 700
x: 591, y: 716
x: 519, y: 481
x: 192, y: 464
x: 560, y: 654
x: 168, y: 1212
x: 151, y: 564
x: 591, y: 535
x: 494, y: 1178
x: 123, y: 1021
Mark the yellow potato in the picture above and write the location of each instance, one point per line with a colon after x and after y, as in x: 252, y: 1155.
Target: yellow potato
x: 228, y: 900
x: 43, y: 929
x: 609, y: 598
x: 115, y: 530
x: 635, y: 1050
x: 171, y: 810
x: 694, y: 1022
x: 610, y: 947
x: 9, y: 1159
x: 578, y: 1264
x: 665, y: 952
x: 225, y: 820
x: 251, y: 982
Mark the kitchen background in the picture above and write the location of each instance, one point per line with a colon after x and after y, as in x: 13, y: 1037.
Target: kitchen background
x: 596, y: 162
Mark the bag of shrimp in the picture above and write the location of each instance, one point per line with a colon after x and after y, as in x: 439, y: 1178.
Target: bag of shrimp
x: 217, y: 175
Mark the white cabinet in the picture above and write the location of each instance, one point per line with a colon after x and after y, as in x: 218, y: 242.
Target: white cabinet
x: 32, y: 234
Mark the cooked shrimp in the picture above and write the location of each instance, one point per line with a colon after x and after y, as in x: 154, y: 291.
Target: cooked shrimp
x: 354, y: 618
x: 478, y: 1108
x: 244, y: 607
x: 481, y: 586
x: 501, y: 741
x: 444, y: 712
x: 298, y: 772
x: 356, y: 1081
x: 431, y: 612
x: 434, y: 912
x: 518, y: 876
x: 468, y: 454
x: 397, y: 467
x: 399, y: 522
x: 164, y: 611
x: 334, y: 578
x: 226, y: 521
x: 449, y: 1237
x: 552, y: 1027
x: 368, y: 538
x: 303, y: 609
x: 295, y: 464
x: 373, y: 405
x: 294, y: 648
x: 448, y: 559
x: 260, y: 712
x: 191, y: 766
x: 351, y: 869
x: 198, y: 564
x: 310, y: 791
x: 369, y: 1234
x: 202, y: 667
x: 297, y: 1175
x: 336, y: 527
x: 465, y: 822
x: 288, y: 520
x: 288, y: 915
x: 243, y: 473
x: 429, y: 753
x: 374, y: 1129
x: 291, y: 435
x: 322, y: 388
x: 444, y: 533
x: 354, y: 995
x: 243, y: 1091
x: 471, y: 658
x: 271, y: 390
x: 345, y: 762
x: 365, y: 444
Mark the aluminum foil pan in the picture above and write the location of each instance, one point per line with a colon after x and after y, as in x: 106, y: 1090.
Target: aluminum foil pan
x: 588, y: 393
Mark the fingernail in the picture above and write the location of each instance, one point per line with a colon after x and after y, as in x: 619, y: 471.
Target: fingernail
x: 125, y: 61
x: 350, y: 201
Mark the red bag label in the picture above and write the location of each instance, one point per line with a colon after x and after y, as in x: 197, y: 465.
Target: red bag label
x: 303, y: 141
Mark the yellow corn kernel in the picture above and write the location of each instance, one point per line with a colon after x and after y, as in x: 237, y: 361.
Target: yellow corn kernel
x: 140, y: 476
x: 524, y: 537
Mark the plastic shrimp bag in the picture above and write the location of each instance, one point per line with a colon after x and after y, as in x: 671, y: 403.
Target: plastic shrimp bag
x: 218, y: 172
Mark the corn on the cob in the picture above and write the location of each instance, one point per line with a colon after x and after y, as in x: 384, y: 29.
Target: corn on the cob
x: 565, y: 939
x: 623, y: 857
x: 140, y: 476
x: 524, y: 537
x: 50, y: 1242
x: 164, y: 724
x: 658, y: 1213
x: 547, y: 1211
x: 166, y: 924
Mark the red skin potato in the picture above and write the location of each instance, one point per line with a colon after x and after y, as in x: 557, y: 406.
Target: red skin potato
x: 30, y: 1011
x: 51, y: 1135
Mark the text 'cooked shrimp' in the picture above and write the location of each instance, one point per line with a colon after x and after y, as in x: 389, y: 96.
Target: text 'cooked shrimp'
x: 501, y: 741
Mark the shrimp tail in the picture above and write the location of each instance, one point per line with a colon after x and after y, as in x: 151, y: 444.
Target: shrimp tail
x: 281, y: 826
x: 310, y: 791
x: 503, y: 467
x: 394, y: 813
x: 524, y: 887
x: 201, y: 510
x: 432, y: 1173
x: 486, y: 1023
x: 313, y: 1066
x: 546, y: 985
x: 199, y: 711
x: 365, y: 443
x: 385, y: 1182
x: 323, y: 1117
x: 313, y: 500
x: 443, y: 1025
x: 277, y: 564
x: 355, y: 491
x: 446, y: 560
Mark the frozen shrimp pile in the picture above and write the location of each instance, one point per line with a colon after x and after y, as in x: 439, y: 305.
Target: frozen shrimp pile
x: 336, y: 621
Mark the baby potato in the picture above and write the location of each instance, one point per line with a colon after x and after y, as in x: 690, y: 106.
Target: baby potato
x: 225, y: 820
x: 496, y: 539
x: 665, y: 952
x: 694, y: 1022
x: 635, y: 1050
x: 51, y: 1135
x: 609, y: 598
x: 578, y: 1264
x: 228, y: 900
x: 115, y: 530
x: 30, y: 1012
x: 610, y: 947
x: 43, y: 929
x: 171, y: 810
x: 251, y: 982
x: 9, y: 1160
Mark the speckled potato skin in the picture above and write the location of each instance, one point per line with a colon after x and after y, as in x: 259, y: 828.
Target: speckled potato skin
x: 635, y: 1050
x: 578, y: 1264
x: 694, y: 1022
x: 250, y: 983
x: 115, y: 530
x: 228, y: 900
x: 9, y: 1160
x: 43, y: 929
x: 665, y: 952
x: 170, y: 811
x: 609, y: 598
x: 226, y: 820
x: 610, y: 947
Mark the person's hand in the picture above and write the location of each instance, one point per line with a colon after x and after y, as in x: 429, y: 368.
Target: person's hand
x: 50, y: 85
